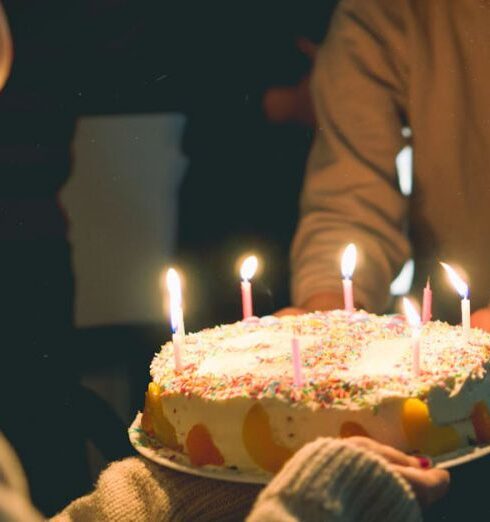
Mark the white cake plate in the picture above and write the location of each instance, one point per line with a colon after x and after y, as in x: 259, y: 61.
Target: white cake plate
x: 154, y: 451
x: 461, y: 456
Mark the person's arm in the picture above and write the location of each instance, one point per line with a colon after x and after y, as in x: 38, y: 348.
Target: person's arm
x: 15, y: 504
x: 324, y: 474
x: 351, y: 189
x: 317, y: 302
x: 6, y: 48
x: 481, y: 318
x: 349, y: 480
x: 135, y: 489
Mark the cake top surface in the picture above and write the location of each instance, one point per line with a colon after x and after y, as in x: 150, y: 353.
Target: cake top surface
x: 347, y: 359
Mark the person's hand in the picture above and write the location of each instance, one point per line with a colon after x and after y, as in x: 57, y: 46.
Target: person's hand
x: 429, y: 484
x: 292, y: 103
x: 290, y: 310
x: 481, y: 319
x: 320, y: 302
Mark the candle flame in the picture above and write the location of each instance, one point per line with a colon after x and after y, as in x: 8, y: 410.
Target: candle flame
x: 249, y: 266
x: 348, y: 263
x: 411, y: 314
x: 460, y: 286
x: 175, y: 292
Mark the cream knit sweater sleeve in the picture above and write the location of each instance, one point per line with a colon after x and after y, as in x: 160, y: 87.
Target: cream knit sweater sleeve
x: 331, y: 480
x: 326, y: 480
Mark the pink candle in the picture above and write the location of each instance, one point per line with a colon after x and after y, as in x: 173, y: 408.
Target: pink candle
x: 348, y: 295
x: 296, y: 358
x: 347, y: 267
x: 247, y: 306
x: 427, y: 303
x: 413, y: 320
x: 416, y: 351
x: 247, y: 271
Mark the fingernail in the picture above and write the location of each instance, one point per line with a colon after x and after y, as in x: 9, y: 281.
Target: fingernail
x: 425, y: 462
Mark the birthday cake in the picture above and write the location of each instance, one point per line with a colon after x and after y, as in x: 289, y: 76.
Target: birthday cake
x: 237, y: 403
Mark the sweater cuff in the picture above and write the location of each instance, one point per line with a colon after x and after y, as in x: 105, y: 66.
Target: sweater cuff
x: 330, y: 478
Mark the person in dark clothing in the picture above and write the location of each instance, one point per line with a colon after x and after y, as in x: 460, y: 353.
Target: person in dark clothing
x: 92, y: 57
x: 70, y: 59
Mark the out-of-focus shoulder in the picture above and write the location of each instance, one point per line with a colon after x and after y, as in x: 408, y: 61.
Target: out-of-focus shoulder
x: 376, y: 13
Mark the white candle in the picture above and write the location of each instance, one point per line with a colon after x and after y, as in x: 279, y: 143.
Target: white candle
x: 247, y: 271
x: 465, y: 317
x: 176, y: 316
x: 463, y: 290
x: 347, y: 267
x: 413, y: 320
x: 177, y: 342
x: 416, y: 351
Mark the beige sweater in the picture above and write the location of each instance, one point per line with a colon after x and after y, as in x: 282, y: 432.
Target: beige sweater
x: 384, y: 65
x: 328, y: 480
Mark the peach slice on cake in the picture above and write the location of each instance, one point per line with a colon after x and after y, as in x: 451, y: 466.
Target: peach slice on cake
x: 259, y: 443
x: 422, y: 434
x: 352, y: 429
x: 201, y: 448
x: 154, y: 421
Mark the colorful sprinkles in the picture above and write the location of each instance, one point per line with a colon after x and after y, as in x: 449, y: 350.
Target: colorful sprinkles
x: 335, y: 341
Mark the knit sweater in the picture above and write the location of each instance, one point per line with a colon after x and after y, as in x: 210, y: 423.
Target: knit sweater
x: 329, y: 480
x: 386, y: 65
x: 326, y: 480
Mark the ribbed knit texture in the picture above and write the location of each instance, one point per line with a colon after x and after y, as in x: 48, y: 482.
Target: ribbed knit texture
x: 326, y: 480
x: 332, y: 480
x: 137, y: 490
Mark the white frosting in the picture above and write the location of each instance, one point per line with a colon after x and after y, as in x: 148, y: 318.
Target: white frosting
x: 382, y: 357
x: 236, y: 357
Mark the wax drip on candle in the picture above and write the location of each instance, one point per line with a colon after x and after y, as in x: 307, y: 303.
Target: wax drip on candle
x: 347, y: 267
x: 464, y: 292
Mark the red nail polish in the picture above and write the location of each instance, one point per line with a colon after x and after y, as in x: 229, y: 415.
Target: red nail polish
x: 425, y: 462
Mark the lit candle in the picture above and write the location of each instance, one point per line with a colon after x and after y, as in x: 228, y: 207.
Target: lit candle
x: 176, y: 315
x: 463, y: 291
x: 296, y: 359
x: 247, y: 271
x: 347, y: 267
x: 427, y: 303
x: 413, y: 320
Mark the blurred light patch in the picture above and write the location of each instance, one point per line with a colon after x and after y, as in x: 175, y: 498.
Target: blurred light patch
x: 407, y: 132
x: 403, y: 282
x: 404, y: 169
